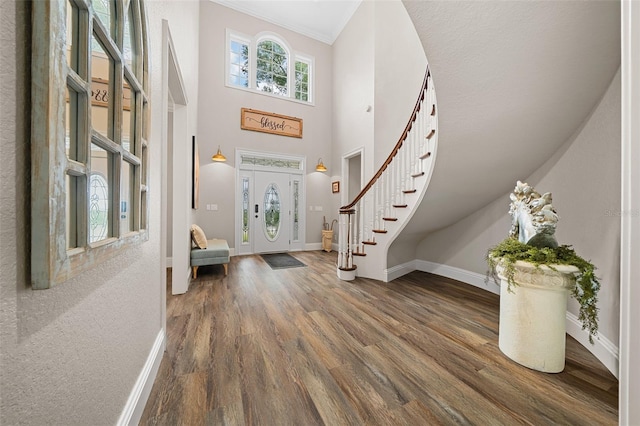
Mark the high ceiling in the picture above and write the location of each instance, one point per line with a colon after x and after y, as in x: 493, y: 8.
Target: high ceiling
x: 322, y: 20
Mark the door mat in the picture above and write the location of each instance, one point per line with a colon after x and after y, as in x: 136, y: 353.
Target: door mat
x: 281, y: 260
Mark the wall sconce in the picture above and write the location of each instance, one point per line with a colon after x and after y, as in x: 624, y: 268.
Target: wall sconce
x: 218, y: 156
x: 320, y: 167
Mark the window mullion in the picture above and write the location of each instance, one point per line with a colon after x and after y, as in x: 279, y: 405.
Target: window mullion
x: 107, y: 42
x: 130, y: 158
x: 131, y: 78
x: 75, y: 168
x: 84, y: 46
x: 138, y: 45
x: 116, y: 167
x: 119, y: 26
x: 116, y: 96
x: 135, y: 197
x: 291, y: 76
x: 103, y: 142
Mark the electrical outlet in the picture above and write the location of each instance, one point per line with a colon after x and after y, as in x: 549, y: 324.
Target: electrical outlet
x: 214, y: 207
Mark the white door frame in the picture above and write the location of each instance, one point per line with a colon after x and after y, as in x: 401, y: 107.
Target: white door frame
x: 629, y: 347
x: 294, y: 166
x: 172, y: 89
x: 345, y: 172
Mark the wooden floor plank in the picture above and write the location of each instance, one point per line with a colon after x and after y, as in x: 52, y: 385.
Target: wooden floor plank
x: 299, y: 346
x: 331, y: 403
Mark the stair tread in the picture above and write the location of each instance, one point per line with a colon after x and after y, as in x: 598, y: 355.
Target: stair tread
x: 391, y: 219
x: 409, y: 191
x: 431, y: 133
x: 359, y: 254
x: 415, y: 175
x: 400, y: 206
x: 425, y: 155
x: 369, y: 243
x: 380, y: 231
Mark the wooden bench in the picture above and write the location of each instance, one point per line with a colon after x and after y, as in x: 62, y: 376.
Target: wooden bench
x: 216, y: 253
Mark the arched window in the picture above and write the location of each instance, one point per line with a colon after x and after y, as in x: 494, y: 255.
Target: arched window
x: 272, y: 68
x: 266, y: 64
x: 89, y: 134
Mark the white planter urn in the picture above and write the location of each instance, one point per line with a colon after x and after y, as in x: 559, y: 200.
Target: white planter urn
x: 533, y: 315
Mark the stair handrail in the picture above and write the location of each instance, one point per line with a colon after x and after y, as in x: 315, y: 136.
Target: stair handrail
x: 396, y: 148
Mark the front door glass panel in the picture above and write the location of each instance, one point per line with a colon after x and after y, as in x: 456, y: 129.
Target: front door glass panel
x: 271, y: 212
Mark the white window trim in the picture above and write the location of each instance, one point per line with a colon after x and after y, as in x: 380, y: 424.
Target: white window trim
x: 300, y: 57
x: 242, y: 38
x: 294, y: 57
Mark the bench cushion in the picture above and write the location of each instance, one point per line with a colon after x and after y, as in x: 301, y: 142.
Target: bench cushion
x: 217, y: 252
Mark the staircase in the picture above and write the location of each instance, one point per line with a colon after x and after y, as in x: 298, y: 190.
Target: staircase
x: 515, y: 80
x: 369, y: 224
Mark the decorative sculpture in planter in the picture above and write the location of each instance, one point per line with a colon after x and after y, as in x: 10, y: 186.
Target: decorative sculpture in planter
x: 536, y: 276
x: 533, y: 217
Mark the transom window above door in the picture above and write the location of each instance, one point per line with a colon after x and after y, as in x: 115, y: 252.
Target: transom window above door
x: 266, y: 64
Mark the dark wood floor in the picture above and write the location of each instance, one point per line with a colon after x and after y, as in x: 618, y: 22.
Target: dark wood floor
x: 300, y: 347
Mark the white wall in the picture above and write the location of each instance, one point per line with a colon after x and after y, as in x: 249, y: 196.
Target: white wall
x: 71, y: 354
x: 584, y: 178
x: 219, y: 122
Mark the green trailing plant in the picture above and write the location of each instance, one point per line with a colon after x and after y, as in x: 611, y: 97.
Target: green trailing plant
x: 509, y: 251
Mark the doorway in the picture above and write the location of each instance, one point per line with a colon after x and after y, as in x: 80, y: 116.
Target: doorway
x: 270, y: 203
x: 352, y: 170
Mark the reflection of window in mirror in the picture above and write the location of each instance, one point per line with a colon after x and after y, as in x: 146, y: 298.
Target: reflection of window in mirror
x: 97, y: 179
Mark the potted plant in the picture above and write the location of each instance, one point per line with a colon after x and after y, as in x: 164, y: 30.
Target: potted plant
x: 536, y: 276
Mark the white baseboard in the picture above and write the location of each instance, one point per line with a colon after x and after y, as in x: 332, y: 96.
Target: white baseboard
x: 139, y: 395
x: 399, y: 270
x: 602, y: 348
x: 473, y: 278
x: 313, y: 246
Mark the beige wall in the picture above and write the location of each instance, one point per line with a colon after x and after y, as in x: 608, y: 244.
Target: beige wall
x: 353, y: 91
x: 400, y: 64
x: 379, y: 63
x: 71, y: 354
x: 219, y: 122
x: 584, y: 177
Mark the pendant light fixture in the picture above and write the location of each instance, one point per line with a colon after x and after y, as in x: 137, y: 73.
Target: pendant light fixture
x: 218, y: 156
x: 320, y: 167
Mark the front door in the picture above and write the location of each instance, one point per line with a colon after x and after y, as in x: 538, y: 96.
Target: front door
x: 271, y: 212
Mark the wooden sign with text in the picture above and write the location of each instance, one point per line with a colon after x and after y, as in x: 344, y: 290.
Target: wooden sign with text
x: 260, y: 121
x: 100, y: 94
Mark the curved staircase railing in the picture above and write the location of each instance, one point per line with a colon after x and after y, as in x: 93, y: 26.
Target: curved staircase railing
x: 375, y: 207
